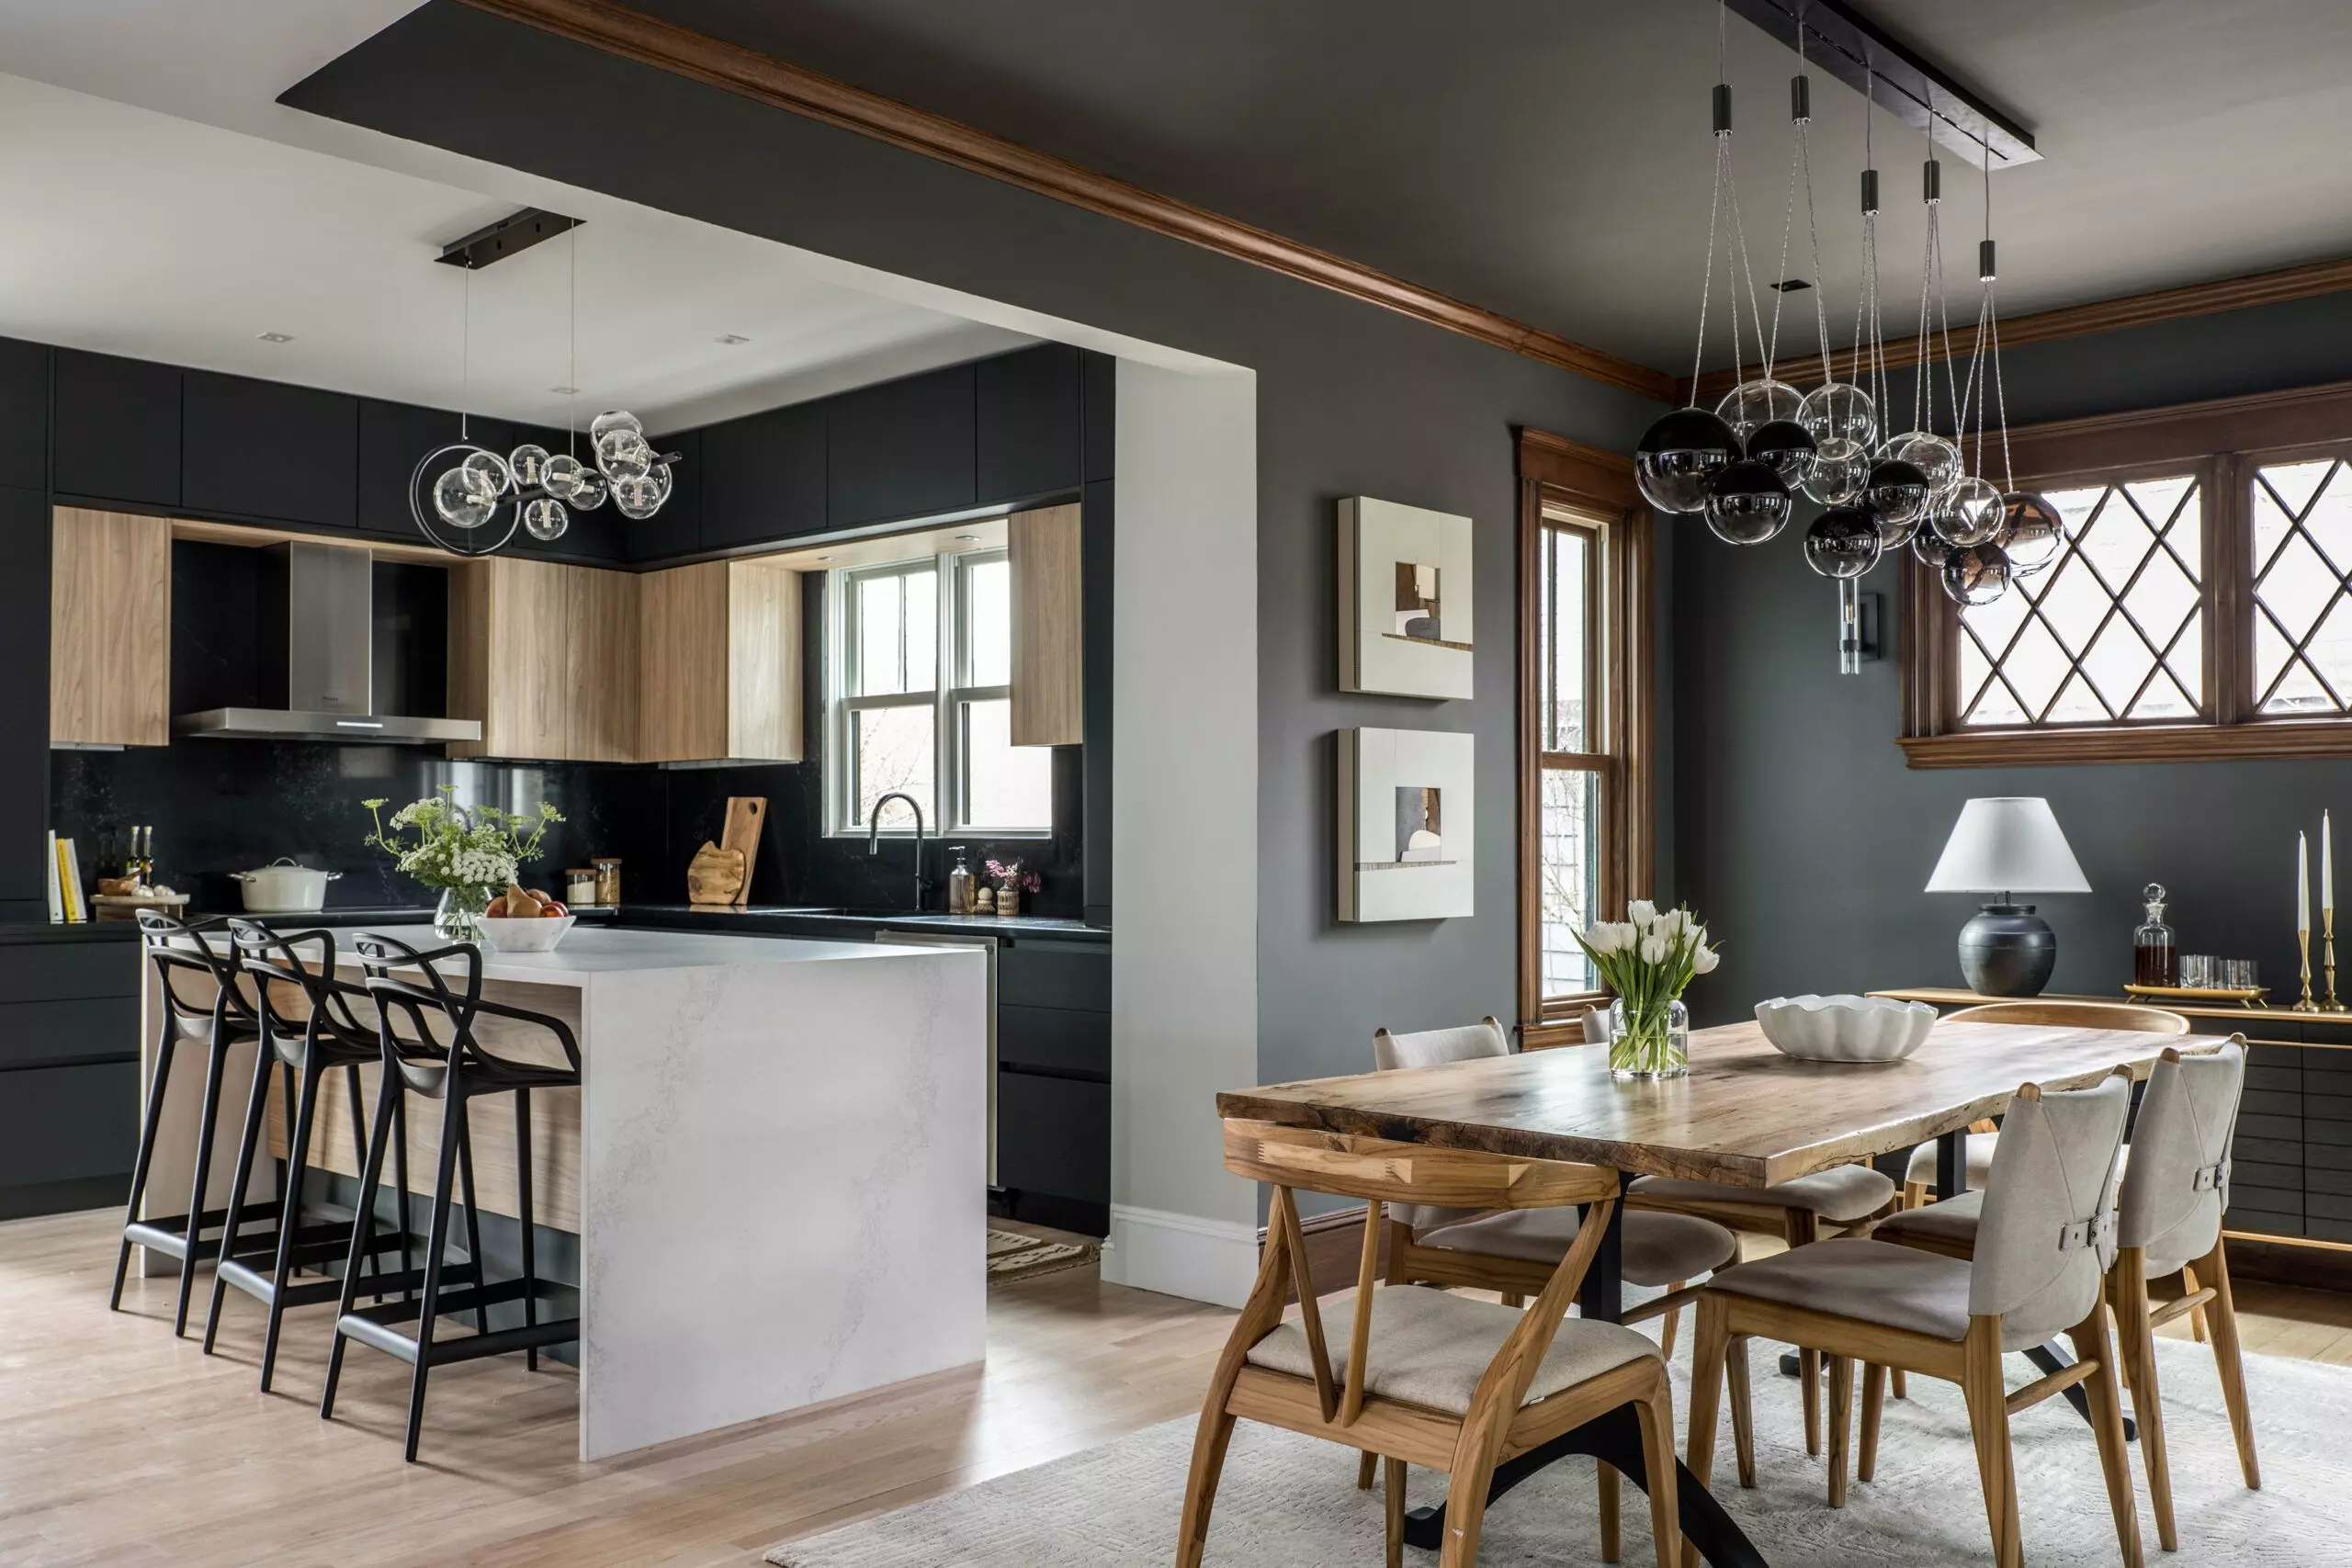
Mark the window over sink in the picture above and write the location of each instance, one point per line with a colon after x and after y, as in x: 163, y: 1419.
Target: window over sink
x: 919, y: 700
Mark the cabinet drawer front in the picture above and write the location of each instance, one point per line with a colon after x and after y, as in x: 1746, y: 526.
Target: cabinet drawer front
x: 1053, y: 1135
x: 1060, y: 1040
x: 49, y: 1034
x: 1055, y: 975
x: 54, y: 971
x: 64, y: 1124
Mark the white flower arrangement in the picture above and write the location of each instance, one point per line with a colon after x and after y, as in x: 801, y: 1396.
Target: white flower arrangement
x: 478, y: 847
x: 1647, y: 959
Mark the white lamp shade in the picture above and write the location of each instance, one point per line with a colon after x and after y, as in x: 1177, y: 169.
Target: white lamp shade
x: 2008, y: 845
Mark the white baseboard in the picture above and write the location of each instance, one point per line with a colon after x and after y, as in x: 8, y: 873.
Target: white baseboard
x: 1180, y: 1255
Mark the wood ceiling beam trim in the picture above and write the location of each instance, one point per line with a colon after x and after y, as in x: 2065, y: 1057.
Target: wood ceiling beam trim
x: 2071, y: 320
x: 648, y: 40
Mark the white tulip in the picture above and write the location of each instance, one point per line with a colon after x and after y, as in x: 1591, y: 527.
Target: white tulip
x: 1621, y: 937
x: 1703, y: 961
x: 1679, y: 922
x: 1654, y: 947
x: 1642, y: 912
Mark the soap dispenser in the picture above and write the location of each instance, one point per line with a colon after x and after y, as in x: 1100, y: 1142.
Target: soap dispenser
x: 959, y: 885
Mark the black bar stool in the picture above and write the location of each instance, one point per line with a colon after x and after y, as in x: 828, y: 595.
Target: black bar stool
x: 187, y: 965
x: 327, y: 1033
x: 454, y: 1073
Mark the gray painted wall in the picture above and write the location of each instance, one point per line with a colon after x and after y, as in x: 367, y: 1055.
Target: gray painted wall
x: 1804, y: 840
x: 1352, y: 400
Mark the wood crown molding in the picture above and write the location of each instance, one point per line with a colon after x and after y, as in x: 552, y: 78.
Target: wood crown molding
x: 2297, y: 416
x: 648, y: 40
x: 2253, y: 741
x: 2071, y: 320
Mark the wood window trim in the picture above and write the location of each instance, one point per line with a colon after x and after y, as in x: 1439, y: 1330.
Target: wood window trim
x: 1556, y: 470
x: 2223, y: 440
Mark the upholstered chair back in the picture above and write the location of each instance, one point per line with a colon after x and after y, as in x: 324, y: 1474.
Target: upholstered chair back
x: 1433, y: 1048
x: 2177, y: 1182
x: 2048, y: 1232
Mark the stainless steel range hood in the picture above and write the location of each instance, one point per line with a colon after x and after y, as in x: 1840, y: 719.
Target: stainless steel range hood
x: 317, y: 650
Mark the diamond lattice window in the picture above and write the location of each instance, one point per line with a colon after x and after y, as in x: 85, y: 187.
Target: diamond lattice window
x: 2303, y: 588
x: 2114, y: 628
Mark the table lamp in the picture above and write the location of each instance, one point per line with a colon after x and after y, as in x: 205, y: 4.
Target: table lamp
x: 2003, y: 846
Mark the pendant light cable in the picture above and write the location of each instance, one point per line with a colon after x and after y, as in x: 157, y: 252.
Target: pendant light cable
x: 465, y: 350
x: 572, y: 363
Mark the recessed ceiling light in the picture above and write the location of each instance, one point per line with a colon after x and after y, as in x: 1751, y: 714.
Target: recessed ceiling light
x: 732, y: 339
x: 276, y: 337
x: 824, y: 557
x: 966, y: 538
x: 563, y: 391
x: 1790, y: 285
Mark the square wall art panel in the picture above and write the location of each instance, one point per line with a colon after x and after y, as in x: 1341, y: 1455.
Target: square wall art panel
x: 1407, y: 824
x: 1404, y: 600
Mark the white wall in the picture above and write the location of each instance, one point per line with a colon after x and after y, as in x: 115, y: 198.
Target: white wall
x: 1184, y: 962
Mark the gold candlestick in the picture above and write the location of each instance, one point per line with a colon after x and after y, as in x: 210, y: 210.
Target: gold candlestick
x: 2303, y: 941
x: 2327, y: 937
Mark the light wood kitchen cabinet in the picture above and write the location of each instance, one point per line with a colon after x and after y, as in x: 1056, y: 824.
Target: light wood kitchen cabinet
x: 545, y: 657
x: 109, y: 629
x: 719, y: 661
x: 1049, y: 628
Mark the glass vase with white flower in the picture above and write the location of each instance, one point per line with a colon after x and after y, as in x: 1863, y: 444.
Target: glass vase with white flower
x: 470, y: 853
x: 1647, y: 959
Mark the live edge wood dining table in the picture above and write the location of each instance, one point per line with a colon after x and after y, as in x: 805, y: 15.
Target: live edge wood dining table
x: 1745, y: 1116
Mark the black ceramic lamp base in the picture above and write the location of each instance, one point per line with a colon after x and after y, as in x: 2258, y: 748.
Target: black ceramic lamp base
x: 2008, y: 951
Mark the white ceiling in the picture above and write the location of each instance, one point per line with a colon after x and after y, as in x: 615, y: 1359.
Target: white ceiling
x: 183, y: 229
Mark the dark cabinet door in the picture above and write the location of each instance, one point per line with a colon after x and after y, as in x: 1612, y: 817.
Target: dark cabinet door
x: 270, y: 450
x: 1029, y: 427
x: 765, y: 477
x: 392, y: 438
x: 1101, y: 396
x: 1053, y: 1136
x: 24, y: 414
x: 24, y: 705
x: 903, y: 449
x: 676, y: 529
x: 118, y: 428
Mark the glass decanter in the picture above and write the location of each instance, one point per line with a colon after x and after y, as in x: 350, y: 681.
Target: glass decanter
x: 2156, y: 959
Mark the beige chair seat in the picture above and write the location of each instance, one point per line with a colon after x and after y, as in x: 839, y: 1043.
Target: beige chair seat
x: 1431, y: 1349
x: 1660, y: 1249
x: 1869, y: 1281
x: 1951, y: 1222
x: 1841, y: 1195
x: 1921, y: 1172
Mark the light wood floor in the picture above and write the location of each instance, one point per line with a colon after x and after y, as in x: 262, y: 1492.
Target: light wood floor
x: 119, y: 1443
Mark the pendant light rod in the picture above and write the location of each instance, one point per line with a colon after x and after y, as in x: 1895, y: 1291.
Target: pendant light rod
x: 1913, y: 88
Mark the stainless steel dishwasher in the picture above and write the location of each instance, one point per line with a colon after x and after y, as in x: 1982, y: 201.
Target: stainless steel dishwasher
x: 987, y: 944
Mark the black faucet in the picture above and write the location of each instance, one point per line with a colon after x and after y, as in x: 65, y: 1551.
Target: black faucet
x: 874, y: 835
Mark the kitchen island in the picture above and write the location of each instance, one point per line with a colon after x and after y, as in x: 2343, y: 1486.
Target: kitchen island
x: 775, y: 1167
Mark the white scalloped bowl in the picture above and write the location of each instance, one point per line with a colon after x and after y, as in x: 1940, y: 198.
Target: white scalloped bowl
x: 1845, y: 1029
x: 526, y: 934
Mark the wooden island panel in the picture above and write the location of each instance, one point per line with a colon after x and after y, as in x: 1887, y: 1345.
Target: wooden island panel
x: 1746, y: 1114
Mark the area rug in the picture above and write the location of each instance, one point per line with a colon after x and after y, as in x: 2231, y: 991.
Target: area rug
x: 1287, y: 1502
x: 1012, y: 1255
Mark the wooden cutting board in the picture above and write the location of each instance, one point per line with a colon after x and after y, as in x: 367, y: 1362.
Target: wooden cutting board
x: 721, y: 873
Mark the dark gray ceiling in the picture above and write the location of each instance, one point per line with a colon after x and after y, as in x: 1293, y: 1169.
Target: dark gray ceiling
x: 1550, y: 158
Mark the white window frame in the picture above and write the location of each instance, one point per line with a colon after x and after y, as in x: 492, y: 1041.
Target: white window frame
x: 949, y: 693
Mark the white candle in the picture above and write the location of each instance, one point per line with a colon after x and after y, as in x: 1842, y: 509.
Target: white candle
x: 2302, y: 884
x: 2327, y: 864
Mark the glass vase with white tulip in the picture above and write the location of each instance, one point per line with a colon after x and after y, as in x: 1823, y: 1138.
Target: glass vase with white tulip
x: 1647, y: 959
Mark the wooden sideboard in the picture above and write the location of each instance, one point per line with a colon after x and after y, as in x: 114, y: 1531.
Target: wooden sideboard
x: 2291, y: 1167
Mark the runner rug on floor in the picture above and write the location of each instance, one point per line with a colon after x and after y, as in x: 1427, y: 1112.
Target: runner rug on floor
x: 1288, y: 1501
x: 1012, y: 1255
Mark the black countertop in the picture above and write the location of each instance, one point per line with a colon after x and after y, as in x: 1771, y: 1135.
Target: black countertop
x: 757, y: 920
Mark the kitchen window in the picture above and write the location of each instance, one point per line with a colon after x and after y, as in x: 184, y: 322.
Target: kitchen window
x: 2200, y: 606
x: 1584, y: 714
x: 918, y: 670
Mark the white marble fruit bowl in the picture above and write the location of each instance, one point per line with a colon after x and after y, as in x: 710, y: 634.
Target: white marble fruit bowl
x: 1845, y: 1029
x: 530, y: 934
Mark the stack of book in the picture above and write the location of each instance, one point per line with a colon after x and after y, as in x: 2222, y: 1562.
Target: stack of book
x: 66, y: 901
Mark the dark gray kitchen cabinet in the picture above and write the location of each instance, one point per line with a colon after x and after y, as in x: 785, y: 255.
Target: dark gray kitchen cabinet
x: 68, y: 1074
x: 268, y: 450
x: 117, y: 428
x: 1028, y: 439
x: 23, y: 704
x: 1099, y: 396
x: 392, y: 438
x: 24, y: 414
x: 765, y: 477
x: 676, y: 529
x: 904, y: 449
x: 1053, y: 1149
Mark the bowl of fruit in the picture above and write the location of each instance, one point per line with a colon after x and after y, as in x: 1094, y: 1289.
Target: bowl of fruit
x: 523, y: 920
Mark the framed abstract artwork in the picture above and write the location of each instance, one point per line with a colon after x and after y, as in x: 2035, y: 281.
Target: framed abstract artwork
x: 1407, y: 824
x: 1405, y: 599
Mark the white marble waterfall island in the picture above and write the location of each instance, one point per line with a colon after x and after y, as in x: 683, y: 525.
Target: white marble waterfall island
x: 778, y: 1173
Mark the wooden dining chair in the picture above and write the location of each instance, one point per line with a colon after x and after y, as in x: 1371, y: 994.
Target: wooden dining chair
x: 1424, y: 1377
x: 1919, y: 1176
x: 2176, y: 1185
x: 1514, y: 1251
x: 2046, y: 1237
